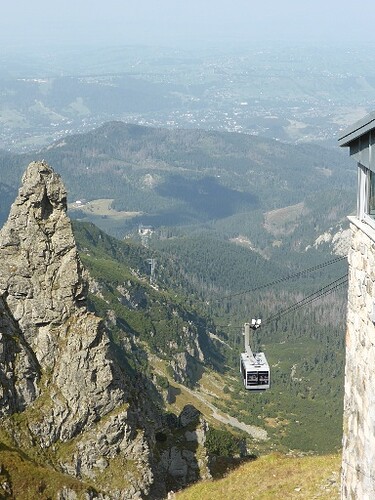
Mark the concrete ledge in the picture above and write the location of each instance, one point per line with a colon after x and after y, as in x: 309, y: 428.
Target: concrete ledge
x: 366, y: 228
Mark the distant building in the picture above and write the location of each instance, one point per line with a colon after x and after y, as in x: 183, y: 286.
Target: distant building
x: 358, y: 456
x: 145, y: 230
x: 145, y: 233
x: 80, y: 203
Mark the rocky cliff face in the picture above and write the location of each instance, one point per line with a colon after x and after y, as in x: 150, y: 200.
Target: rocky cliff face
x: 63, y: 395
x: 55, y: 359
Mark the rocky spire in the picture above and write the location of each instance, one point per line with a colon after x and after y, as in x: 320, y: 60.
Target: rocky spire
x: 56, y: 364
x: 42, y: 282
x: 41, y: 275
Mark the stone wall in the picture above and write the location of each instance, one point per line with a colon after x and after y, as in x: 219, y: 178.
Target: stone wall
x: 358, y: 461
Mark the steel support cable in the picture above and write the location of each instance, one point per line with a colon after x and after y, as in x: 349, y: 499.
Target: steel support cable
x: 322, y: 292
x: 285, y: 278
x: 310, y: 298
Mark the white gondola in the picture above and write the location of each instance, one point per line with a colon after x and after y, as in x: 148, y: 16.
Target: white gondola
x: 254, y: 367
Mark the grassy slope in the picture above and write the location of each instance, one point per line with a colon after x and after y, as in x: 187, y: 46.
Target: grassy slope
x: 23, y: 478
x: 274, y: 477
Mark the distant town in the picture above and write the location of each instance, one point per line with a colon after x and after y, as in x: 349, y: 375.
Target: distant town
x: 294, y: 94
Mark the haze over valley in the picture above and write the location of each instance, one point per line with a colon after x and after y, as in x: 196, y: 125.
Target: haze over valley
x: 168, y: 172
x: 290, y: 92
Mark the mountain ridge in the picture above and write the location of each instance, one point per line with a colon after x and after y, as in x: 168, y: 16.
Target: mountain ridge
x: 191, y: 175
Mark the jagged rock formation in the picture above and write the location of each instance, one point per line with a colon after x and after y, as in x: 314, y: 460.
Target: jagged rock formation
x: 55, y: 360
x: 43, y: 290
x: 337, y: 238
x: 57, y: 371
x: 180, y: 463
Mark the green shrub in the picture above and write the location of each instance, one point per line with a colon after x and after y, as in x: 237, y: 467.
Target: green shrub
x: 221, y: 443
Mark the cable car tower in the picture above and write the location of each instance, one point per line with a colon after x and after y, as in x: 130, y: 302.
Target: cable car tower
x: 254, y: 366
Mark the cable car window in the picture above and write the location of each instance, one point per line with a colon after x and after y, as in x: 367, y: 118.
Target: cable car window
x: 252, y: 378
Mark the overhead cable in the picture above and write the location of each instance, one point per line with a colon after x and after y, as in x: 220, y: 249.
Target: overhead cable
x: 326, y: 290
x: 322, y: 292
x: 285, y: 278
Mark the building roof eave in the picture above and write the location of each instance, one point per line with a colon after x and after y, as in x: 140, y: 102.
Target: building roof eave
x: 358, y: 129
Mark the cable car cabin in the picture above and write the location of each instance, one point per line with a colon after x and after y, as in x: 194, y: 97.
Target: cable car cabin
x: 255, y: 371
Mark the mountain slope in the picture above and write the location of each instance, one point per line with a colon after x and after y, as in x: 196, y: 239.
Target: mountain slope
x: 304, y: 348
x: 272, y: 477
x: 216, y: 258
x: 169, y: 324
x: 175, y: 159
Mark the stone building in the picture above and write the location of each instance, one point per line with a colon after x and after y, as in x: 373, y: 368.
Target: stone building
x: 358, y: 457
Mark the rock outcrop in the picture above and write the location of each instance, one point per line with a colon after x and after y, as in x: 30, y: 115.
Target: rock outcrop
x: 56, y: 364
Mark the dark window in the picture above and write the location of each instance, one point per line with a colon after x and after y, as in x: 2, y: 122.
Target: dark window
x: 371, y: 195
x: 252, y: 378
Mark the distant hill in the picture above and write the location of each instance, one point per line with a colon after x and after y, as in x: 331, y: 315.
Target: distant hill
x: 195, y: 168
x: 273, y: 198
x: 187, y: 178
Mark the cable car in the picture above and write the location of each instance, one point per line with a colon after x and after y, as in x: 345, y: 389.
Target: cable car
x: 254, y: 367
x: 255, y: 371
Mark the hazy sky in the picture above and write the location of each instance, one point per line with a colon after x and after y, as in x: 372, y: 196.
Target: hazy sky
x: 165, y: 22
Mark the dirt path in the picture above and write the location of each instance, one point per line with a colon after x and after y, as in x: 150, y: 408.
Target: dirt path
x: 252, y: 430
